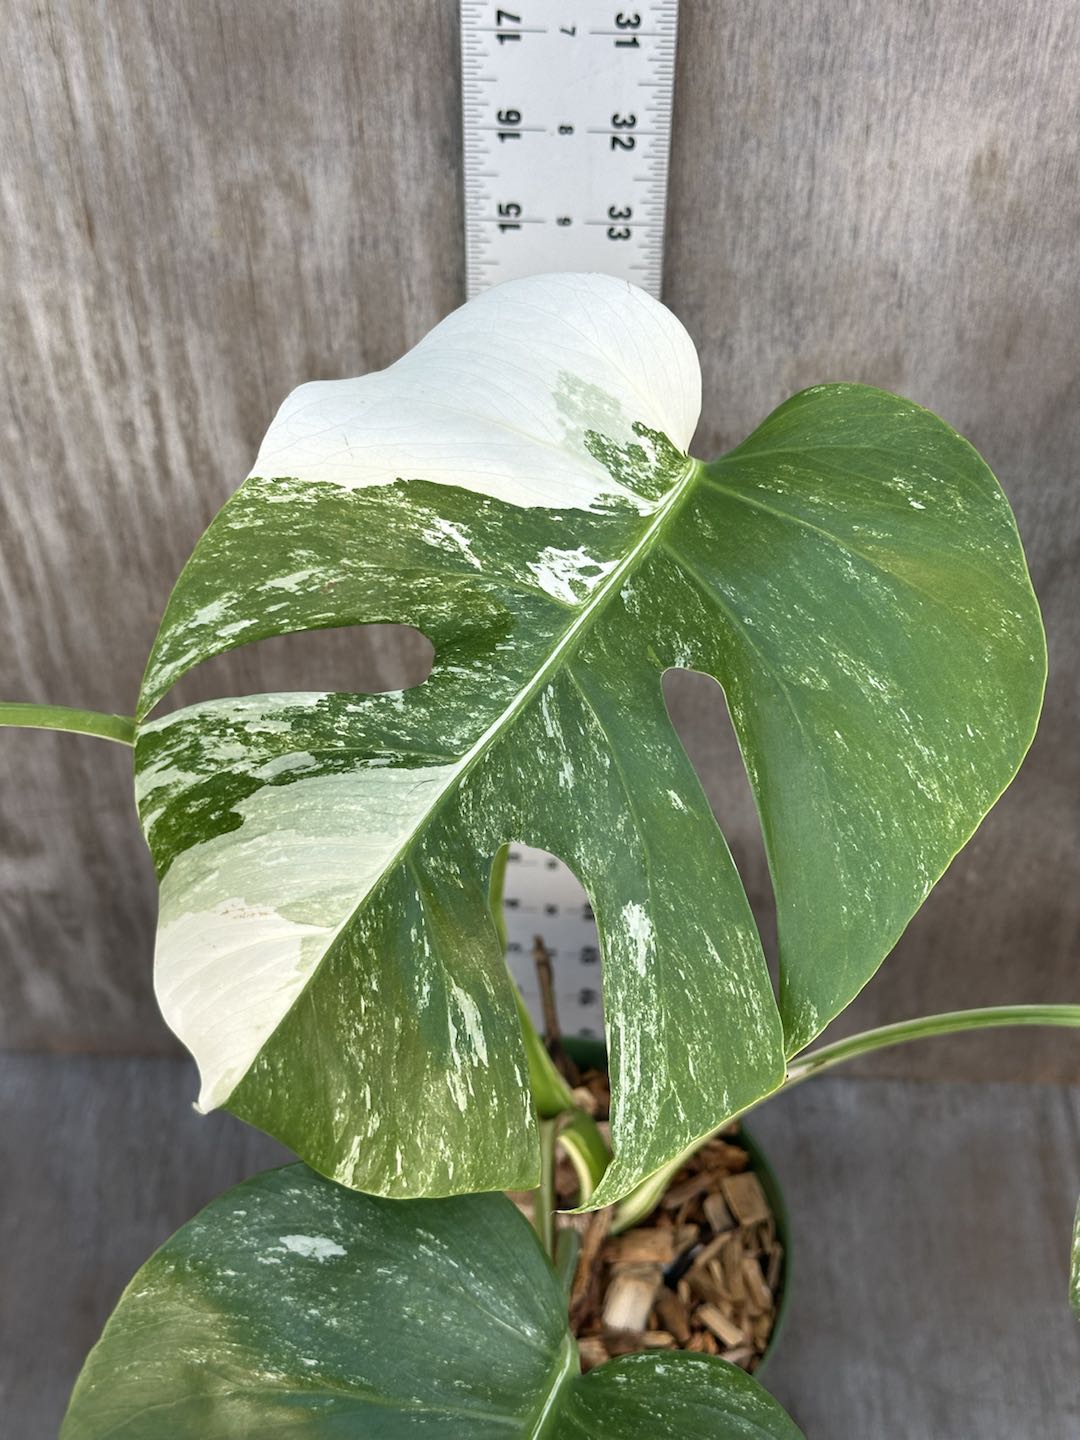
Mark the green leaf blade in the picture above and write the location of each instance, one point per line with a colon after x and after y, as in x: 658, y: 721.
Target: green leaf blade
x: 884, y: 663
x: 293, y: 1306
x: 517, y: 488
x: 292, y: 1301
x: 672, y: 1396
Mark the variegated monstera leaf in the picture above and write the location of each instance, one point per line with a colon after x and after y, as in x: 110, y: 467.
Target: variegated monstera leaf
x: 291, y: 1307
x: 518, y: 488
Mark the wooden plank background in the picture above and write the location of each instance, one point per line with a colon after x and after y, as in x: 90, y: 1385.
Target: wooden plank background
x: 929, y: 1239
x: 206, y: 204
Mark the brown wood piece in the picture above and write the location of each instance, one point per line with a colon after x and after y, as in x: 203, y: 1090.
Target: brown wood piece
x: 625, y: 1342
x: 689, y: 1189
x: 745, y: 1198
x: 586, y: 1099
x: 673, y: 1314
x: 545, y: 978
x: 709, y: 1251
x: 685, y: 1236
x: 587, y: 1274
x: 592, y: 1351
x: 731, y: 1258
x: 717, y: 1213
x: 642, y: 1246
x: 722, y: 1326
x: 704, y: 1286
x: 703, y: 1343
x: 719, y: 1155
x: 759, y: 1296
x: 659, y: 1340
x: 630, y: 1296
x: 552, y: 1034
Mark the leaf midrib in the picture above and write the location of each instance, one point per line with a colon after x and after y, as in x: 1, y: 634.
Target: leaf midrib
x: 540, y: 1421
x: 568, y: 642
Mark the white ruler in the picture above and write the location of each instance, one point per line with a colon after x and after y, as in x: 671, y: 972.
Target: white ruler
x: 567, y: 112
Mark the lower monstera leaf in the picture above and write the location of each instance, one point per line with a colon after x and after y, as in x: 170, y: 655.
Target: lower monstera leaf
x: 293, y: 1307
x: 518, y: 488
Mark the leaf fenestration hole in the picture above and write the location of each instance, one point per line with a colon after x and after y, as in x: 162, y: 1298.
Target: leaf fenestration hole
x: 698, y: 709
x: 542, y: 896
x: 354, y: 659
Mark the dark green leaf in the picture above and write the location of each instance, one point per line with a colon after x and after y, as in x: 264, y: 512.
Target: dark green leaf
x: 875, y: 630
x: 294, y: 1307
x: 671, y: 1396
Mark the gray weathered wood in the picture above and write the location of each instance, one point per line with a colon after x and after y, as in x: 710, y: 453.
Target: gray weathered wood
x: 889, y: 193
x: 931, y: 1226
x: 101, y: 1160
x: 930, y: 1222
x: 205, y: 204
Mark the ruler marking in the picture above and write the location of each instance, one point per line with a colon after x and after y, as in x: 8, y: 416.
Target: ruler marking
x: 537, y: 204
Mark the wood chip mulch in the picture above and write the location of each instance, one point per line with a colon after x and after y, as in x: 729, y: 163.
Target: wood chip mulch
x: 704, y: 1272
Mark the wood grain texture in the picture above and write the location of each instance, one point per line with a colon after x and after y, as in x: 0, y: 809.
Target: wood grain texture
x: 931, y: 1227
x: 890, y: 193
x: 204, y: 205
x: 930, y: 1242
x: 102, y: 1160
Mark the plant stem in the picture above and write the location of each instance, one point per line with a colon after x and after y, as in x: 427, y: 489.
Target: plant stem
x: 544, y: 1203
x: 545, y: 979
x: 496, y: 884
x: 949, y: 1023
x: 550, y: 1091
x: 567, y: 1250
x: 587, y: 1151
x: 120, y: 728
x: 646, y: 1197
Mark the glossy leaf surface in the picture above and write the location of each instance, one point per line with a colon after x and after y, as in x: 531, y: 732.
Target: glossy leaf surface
x: 517, y: 488
x: 294, y: 1307
x: 883, y: 658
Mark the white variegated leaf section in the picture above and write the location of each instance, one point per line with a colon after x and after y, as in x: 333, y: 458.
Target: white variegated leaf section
x: 230, y: 963
x: 483, y: 401
x: 496, y: 401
